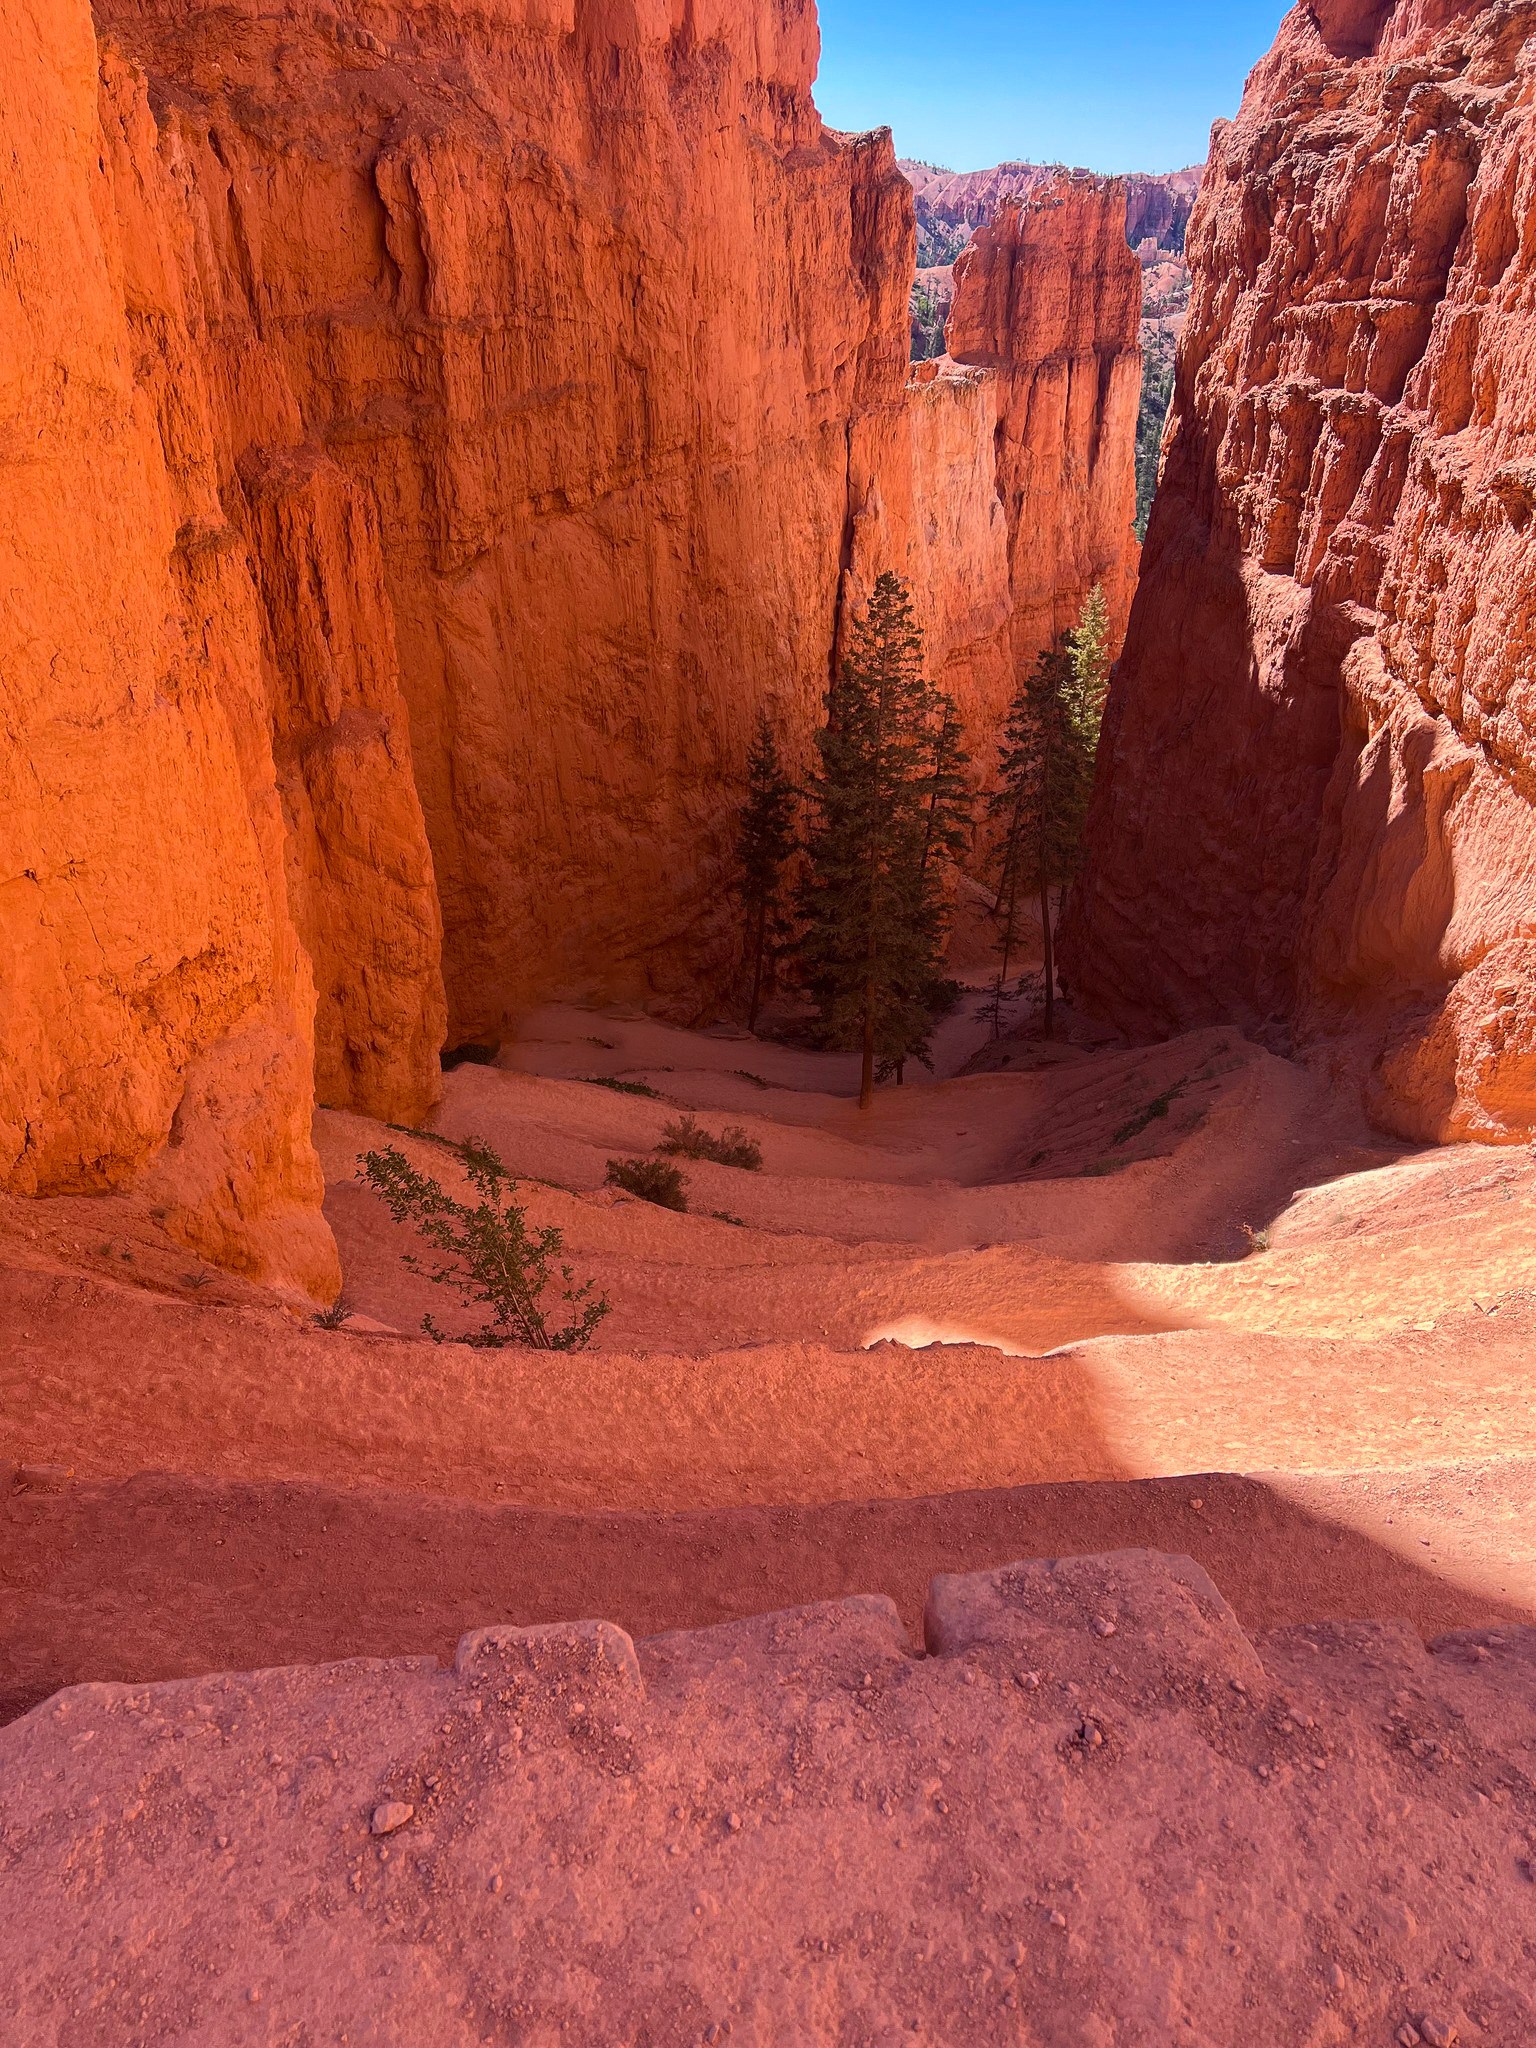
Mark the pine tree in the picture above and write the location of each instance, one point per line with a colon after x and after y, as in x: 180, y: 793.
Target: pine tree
x: 872, y: 908
x: 1091, y: 661
x: 1046, y: 771
x: 764, y: 844
x: 948, y: 830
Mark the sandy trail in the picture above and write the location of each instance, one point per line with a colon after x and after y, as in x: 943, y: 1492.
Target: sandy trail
x: 1080, y: 1224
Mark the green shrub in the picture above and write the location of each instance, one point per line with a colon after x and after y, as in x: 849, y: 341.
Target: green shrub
x: 651, y: 1179
x: 488, y: 1253
x: 625, y: 1087
x: 683, y: 1138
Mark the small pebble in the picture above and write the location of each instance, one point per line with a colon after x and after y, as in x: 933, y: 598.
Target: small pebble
x: 1057, y: 1919
x: 1103, y: 1627
x: 1408, y: 2037
x: 733, y: 1822
x: 496, y: 1881
x: 394, y: 1813
x: 1438, y: 2032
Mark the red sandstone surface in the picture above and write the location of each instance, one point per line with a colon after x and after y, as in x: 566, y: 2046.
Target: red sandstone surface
x: 1335, y: 593
x: 434, y: 445
x: 796, y: 1828
x: 1048, y: 297
x: 429, y: 439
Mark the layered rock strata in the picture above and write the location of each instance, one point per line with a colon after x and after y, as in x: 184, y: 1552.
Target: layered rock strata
x: 155, y: 1002
x: 593, y: 319
x: 796, y: 1828
x: 484, y: 419
x: 1048, y: 298
x: 1316, y: 814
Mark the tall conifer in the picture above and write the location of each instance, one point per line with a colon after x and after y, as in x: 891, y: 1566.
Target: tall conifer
x: 764, y: 843
x: 1049, y: 747
x: 872, y: 908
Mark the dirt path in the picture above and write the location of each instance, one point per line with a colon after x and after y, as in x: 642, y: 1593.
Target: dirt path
x: 769, y: 1417
x: 163, y: 1576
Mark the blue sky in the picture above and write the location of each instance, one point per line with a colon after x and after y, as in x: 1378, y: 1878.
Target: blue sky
x: 1114, y: 85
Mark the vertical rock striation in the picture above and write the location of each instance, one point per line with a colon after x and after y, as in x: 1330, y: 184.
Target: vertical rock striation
x: 1048, y: 297
x: 596, y: 324
x: 432, y: 436
x: 155, y: 1004
x: 1316, y: 815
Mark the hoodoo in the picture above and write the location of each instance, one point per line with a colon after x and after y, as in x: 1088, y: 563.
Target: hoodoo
x: 1315, y: 811
x: 1048, y: 296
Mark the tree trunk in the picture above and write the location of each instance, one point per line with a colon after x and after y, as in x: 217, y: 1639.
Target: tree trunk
x: 1050, y: 960
x: 867, y: 1078
x: 757, y: 965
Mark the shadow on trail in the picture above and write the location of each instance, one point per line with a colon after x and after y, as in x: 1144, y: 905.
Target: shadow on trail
x: 161, y: 1576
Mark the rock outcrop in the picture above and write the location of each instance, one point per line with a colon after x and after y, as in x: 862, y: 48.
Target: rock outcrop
x: 573, y: 1836
x: 1048, y: 298
x: 155, y: 1002
x: 1158, y: 206
x: 482, y: 418
x: 1316, y: 814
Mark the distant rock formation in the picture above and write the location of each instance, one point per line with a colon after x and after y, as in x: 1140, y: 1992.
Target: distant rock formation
x: 955, y: 203
x: 1318, y: 808
x: 1048, y: 297
x: 1095, y: 1811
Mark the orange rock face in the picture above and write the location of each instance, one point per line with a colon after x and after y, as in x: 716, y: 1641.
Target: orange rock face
x: 1048, y: 297
x: 433, y: 440
x: 1316, y: 811
x: 569, y: 319
x: 155, y: 1003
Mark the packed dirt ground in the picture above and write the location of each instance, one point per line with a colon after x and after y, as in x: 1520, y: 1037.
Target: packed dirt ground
x: 1008, y: 1312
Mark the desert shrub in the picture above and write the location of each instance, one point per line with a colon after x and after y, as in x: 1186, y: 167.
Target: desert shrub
x: 683, y: 1138
x: 1258, y: 1240
x: 333, y: 1317
x: 624, y: 1087
x: 486, y: 1252
x: 652, y: 1180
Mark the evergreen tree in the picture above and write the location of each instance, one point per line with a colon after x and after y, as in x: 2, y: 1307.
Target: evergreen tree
x: 764, y: 843
x: 872, y: 908
x: 1048, y: 751
x: 948, y: 830
x: 1091, y: 661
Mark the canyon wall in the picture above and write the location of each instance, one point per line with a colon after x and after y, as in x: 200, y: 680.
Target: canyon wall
x: 434, y: 435
x: 155, y: 1002
x: 1316, y: 808
x: 551, y: 342
x: 1048, y: 299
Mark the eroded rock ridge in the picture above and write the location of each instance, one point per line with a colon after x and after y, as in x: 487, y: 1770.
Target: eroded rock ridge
x: 1316, y: 815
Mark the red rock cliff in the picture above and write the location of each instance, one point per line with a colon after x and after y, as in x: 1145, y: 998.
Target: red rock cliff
x: 1316, y: 813
x: 550, y: 333
x: 1048, y: 297
x: 155, y: 1002
x: 437, y: 435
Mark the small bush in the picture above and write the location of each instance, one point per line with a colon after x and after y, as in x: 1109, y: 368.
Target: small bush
x: 1143, y: 1117
x: 333, y: 1317
x: 685, y: 1139
x: 489, y: 1254
x: 625, y: 1087
x: 756, y: 1079
x: 1258, y: 1240
x: 725, y: 1216
x: 652, y: 1180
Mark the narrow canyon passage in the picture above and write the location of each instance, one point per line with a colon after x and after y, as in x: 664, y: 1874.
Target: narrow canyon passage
x: 1006, y: 1311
